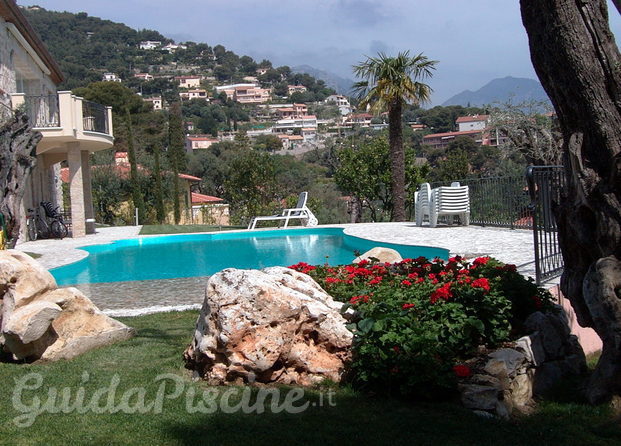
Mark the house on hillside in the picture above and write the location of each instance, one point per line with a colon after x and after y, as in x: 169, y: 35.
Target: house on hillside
x: 341, y: 102
x: 150, y: 44
x: 144, y: 76
x: 171, y: 47
x: 473, y: 122
x: 111, y: 77
x: 475, y: 127
x: 292, y: 111
x: 194, y: 94
x: 156, y: 101
x: 358, y: 119
x: 296, y: 89
x: 198, y: 142
x: 246, y: 93
x: 72, y: 127
x: 305, y: 126
x: 188, y: 81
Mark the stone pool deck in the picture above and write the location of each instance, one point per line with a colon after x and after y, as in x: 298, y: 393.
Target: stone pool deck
x: 139, y: 297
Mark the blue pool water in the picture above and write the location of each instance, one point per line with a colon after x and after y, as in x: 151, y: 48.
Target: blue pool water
x: 194, y: 255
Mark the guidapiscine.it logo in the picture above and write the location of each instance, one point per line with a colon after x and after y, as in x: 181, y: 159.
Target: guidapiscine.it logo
x: 31, y: 398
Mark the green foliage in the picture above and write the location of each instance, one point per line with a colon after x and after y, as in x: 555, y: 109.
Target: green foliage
x: 159, y: 195
x: 109, y: 191
x: 176, y: 154
x: 113, y: 94
x: 455, y: 166
x: 364, y: 172
x: 137, y: 197
x: 267, y: 143
x: 250, y: 186
x: 417, y: 319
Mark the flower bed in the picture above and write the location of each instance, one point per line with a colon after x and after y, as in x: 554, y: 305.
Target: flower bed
x: 417, y: 320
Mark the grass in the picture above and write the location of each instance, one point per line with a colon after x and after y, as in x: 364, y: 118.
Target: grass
x: 356, y: 419
x: 184, y: 229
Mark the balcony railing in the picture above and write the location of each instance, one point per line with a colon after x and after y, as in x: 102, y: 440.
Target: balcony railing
x: 42, y: 110
x: 95, y: 117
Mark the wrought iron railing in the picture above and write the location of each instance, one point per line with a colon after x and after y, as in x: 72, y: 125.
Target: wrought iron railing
x: 497, y: 201
x: 42, y: 110
x: 95, y: 117
x: 546, y: 185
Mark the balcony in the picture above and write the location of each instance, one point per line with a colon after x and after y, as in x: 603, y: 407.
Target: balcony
x: 64, y: 118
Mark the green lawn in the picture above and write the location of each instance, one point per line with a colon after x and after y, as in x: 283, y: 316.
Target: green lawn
x: 184, y: 229
x: 356, y: 419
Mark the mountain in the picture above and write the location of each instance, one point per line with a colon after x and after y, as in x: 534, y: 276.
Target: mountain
x: 508, y: 89
x: 340, y: 84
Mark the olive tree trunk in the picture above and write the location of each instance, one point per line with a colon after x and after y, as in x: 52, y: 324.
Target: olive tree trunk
x: 18, y: 144
x: 397, y: 160
x: 579, y: 65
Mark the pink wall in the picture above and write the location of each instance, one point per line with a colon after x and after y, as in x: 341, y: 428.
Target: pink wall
x: 589, y: 340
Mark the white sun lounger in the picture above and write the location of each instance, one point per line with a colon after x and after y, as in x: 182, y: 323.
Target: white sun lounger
x: 300, y: 212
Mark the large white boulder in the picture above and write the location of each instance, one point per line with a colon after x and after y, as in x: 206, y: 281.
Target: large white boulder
x: 274, y: 325
x: 39, y: 321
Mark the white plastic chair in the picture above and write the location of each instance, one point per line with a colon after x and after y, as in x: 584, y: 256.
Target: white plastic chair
x: 421, y: 206
x: 449, y: 200
x: 300, y: 212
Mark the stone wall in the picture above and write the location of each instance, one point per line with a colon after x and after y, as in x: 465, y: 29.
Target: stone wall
x: 511, y: 378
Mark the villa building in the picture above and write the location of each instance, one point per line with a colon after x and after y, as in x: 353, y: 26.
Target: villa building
x: 198, y: 142
x: 150, y: 44
x: 475, y: 127
x: 296, y: 89
x: 358, y: 119
x: 292, y: 111
x: 156, y: 101
x: 245, y: 93
x: 144, y: 76
x: 194, y: 94
x: 171, y: 47
x: 111, y: 77
x: 304, y: 124
x: 341, y: 102
x: 474, y: 122
x: 72, y: 127
x: 188, y: 81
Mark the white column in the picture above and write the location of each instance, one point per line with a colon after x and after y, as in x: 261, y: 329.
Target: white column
x: 76, y: 190
x: 88, y: 193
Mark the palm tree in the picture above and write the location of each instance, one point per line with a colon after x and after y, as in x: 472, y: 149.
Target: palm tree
x: 388, y: 83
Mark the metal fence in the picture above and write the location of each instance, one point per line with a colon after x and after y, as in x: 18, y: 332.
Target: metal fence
x: 546, y: 185
x: 95, y: 117
x: 498, y: 201
x: 42, y: 111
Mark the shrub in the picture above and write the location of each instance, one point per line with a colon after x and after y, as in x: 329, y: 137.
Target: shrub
x: 416, y: 319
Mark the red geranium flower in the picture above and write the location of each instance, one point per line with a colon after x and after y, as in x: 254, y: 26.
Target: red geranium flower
x: 406, y: 283
x: 537, y: 302
x: 444, y: 292
x: 407, y: 306
x: 481, y: 283
x: 480, y: 261
x: 332, y: 280
x: 462, y: 371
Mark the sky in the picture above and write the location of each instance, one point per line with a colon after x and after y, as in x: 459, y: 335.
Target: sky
x: 474, y: 41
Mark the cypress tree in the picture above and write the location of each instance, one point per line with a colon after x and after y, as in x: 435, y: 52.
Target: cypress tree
x: 160, y: 213
x: 176, y: 154
x: 137, y: 197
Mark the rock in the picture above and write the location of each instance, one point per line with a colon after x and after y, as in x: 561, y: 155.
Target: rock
x: 270, y: 326
x: 383, y: 255
x: 547, y: 376
x: 21, y: 280
x: 30, y: 322
x: 81, y: 326
x: 505, y: 362
x: 41, y: 322
x: 521, y: 391
x: 474, y: 396
x: 552, y: 332
x: 532, y: 347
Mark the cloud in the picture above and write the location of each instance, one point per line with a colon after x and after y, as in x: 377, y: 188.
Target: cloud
x: 360, y: 13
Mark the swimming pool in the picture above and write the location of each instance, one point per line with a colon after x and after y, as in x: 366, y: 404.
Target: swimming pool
x: 195, y: 255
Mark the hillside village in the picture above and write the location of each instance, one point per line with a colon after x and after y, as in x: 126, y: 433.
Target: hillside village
x: 229, y: 103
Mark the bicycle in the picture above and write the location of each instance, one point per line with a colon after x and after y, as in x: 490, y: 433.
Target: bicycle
x: 58, y: 229
x: 51, y: 224
x: 36, y: 225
